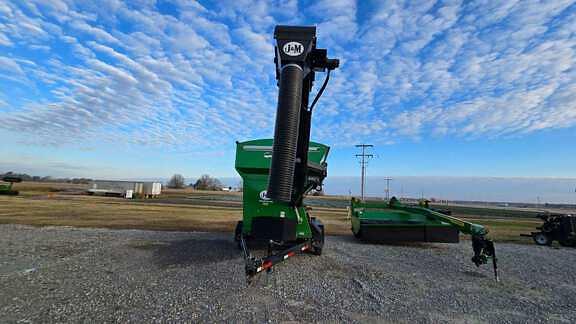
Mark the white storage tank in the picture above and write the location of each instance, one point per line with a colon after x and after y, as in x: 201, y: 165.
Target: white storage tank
x: 152, y: 189
x: 138, y: 186
x: 157, y: 190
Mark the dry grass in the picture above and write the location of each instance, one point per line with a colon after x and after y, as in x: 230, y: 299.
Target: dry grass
x: 114, y: 213
x: 507, y: 229
x: 48, y: 204
x: 89, y: 211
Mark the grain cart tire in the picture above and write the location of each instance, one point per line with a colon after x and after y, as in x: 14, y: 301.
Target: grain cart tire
x: 541, y: 239
x: 318, y: 240
x: 317, y: 248
x: 238, y: 233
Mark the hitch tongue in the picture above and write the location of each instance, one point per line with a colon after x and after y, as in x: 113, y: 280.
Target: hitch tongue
x: 254, y: 266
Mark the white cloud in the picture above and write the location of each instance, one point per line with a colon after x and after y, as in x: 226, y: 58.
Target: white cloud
x: 204, y: 75
x: 95, y: 32
x: 10, y: 67
x: 461, y: 69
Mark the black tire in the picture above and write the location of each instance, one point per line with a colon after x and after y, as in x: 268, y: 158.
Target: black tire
x: 238, y: 233
x: 358, y: 235
x: 541, y: 239
x: 317, y: 248
x: 318, y: 245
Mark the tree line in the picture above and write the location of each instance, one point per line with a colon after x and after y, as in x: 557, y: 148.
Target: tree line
x: 205, y: 182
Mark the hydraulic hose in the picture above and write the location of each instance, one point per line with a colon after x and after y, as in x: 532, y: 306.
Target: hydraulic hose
x: 321, y: 91
x: 282, y: 167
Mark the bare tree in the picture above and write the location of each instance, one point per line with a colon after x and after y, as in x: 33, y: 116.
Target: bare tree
x: 177, y: 181
x: 208, y: 183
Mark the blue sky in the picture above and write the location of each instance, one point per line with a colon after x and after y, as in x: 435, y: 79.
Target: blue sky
x: 150, y: 88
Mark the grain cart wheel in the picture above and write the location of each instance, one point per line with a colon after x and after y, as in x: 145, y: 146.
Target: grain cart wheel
x: 541, y: 239
x: 238, y: 233
x: 318, y: 237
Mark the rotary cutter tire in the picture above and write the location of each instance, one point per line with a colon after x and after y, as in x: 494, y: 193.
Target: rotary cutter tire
x: 541, y: 239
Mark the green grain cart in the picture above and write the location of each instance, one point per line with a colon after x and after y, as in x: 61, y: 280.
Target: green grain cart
x: 266, y: 220
x: 278, y: 173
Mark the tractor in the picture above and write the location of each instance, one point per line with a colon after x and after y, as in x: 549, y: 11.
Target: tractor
x: 556, y: 227
x: 8, y: 183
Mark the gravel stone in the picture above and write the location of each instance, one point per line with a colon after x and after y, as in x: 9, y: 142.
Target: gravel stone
x: 63, y: 274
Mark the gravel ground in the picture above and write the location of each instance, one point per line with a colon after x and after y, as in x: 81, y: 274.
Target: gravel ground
x: 96, y: 275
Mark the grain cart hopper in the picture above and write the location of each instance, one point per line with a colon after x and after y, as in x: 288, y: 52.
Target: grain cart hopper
x: 392, y: 221
x: 6, y: 187
x: 556, y: 227
x: 278, y: 173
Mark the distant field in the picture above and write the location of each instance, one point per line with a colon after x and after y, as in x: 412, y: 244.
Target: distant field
x: 56, y: 204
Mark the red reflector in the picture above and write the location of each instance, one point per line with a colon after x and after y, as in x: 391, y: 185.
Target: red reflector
x: 290, y: 254
x: 267, y: 264
x: 304, y: 248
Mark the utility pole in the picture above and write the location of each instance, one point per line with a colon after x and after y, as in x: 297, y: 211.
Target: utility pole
x: 388, y: 187
x: 363, y: 163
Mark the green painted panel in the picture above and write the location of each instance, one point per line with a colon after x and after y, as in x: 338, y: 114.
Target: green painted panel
x: 253, y: 164
x: 398, y: 214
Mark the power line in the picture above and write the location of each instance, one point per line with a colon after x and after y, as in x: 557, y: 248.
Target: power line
x: 388, y: 187
x: 363, y: 163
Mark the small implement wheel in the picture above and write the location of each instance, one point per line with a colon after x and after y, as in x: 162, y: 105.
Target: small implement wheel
x: 317, y: 249
x: 318, y: 241
x: 541, y: 239
x: 238, y: 233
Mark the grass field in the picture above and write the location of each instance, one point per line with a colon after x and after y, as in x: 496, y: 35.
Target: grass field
x: 55, y: 204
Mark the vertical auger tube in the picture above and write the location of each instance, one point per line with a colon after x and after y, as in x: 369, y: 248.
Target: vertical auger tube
x: 286, y: 134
